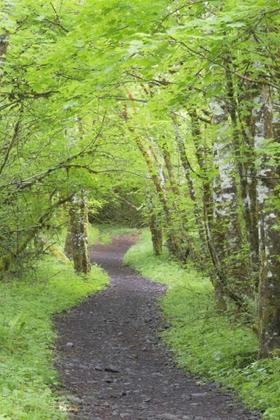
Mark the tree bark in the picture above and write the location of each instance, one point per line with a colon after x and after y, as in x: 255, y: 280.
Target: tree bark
x: 177, y: 245
x: 246, y: 156
x: 244, y: 152
x: 157, y: 234
x: 191, y: 189
x: 3, y: 47
x: 218, y: 277
x: 268, y: 225
x: 226, y: 226
x: 76, y: 244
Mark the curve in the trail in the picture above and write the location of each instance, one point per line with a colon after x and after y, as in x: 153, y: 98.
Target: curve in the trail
x: 113, y: 363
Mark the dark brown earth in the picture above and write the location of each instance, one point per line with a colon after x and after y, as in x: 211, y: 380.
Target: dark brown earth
x: 113, y: 363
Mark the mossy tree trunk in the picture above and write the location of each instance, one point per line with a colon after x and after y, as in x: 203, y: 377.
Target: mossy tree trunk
x: 269, y: 221
x: 204, y: 160
x: 180, y: 217
x: 238, y: 98
x: 226, y: 226
x: 156, y: 234
x: 157, y: 159
x: 76, y: 244
x: 176, y: 242
x: 155, y: 225
x: 191, y: 189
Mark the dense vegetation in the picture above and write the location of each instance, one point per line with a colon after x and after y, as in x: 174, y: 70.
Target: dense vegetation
x: 163, y: 114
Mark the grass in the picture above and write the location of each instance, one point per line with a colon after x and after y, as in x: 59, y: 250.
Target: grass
x: 209, y: 345
x: 28, y: 381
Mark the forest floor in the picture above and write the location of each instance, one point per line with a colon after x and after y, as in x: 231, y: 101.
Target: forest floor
x: 113, y: 363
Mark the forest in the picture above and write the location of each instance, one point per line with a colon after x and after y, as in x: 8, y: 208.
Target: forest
x: 162, y: 115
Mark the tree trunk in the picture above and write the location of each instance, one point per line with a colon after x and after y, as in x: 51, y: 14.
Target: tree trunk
x: 177, y: 246
x: 244, y: 152
x: 269, y: 220
x: 181, y: 217
x: 178, y: 240
x: 226, y: 227
x: 76, y: 244
x: 218, y: 277
x: 157, y: 234
x: 3, y: 47
x: 191, y: 190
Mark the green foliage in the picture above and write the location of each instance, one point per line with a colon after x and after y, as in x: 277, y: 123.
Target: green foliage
x: 98, y: 95
x: 203, y: 342
x: 121, y: 211
x: 27, y: 377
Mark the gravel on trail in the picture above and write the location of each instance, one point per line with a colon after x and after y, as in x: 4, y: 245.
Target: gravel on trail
x: 113, y: 364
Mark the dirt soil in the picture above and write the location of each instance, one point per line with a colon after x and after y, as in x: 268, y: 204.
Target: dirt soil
x: 113, y: 363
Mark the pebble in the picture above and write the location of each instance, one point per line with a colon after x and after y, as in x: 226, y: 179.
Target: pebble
x: 91, y: 400
x: 156, y: 374
x: 186, y: 397
x: 111, y: 369
x: 70, y: 344
x: 69, y: 365
x: 83, y: 367
x: 74, y: 399
x: 216, y: 384
x: 199, y: 394
x: 167, y: 416
x: 143, y: 406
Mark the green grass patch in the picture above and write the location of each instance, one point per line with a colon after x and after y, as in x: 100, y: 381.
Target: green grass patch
x: 27, y: 378
x: 210, y: 345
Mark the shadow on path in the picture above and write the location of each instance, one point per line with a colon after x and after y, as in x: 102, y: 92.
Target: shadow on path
x: 113, y: 363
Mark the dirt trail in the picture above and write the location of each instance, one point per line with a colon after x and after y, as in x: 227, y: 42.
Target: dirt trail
x: 113, y: 363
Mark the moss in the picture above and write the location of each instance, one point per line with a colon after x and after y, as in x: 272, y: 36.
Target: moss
x: 57, y: 253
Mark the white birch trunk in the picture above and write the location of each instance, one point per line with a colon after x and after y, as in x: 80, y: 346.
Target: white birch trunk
x: 226, y: 230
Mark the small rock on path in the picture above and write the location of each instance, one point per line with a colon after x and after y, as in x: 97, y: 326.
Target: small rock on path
x: 113, y: 364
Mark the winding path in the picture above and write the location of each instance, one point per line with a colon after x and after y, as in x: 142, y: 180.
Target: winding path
x: 113, y: 363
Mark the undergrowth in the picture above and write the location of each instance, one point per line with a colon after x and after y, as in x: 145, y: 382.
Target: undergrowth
x: 209, y: 345
x: 28, y: 381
